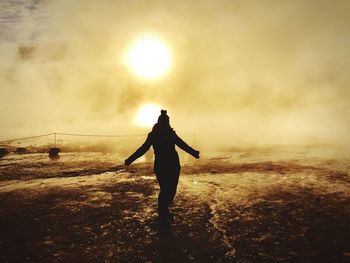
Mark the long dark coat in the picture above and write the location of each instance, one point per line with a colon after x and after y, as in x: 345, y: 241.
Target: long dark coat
x: 166, y: 157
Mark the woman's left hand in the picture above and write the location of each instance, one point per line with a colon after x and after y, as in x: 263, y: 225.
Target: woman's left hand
x: 196, y: 155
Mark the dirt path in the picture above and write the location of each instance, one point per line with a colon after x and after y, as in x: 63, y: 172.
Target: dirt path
x: 227, y: 211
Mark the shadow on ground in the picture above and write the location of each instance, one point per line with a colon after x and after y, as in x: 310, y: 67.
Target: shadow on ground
x: 117, y: 223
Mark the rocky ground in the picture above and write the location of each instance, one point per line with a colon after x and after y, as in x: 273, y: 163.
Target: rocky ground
x: 261, y: 206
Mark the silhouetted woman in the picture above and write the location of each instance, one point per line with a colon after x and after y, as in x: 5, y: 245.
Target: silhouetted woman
x: 166, y: 163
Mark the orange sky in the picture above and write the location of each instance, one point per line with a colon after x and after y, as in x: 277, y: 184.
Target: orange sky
x: 274, y: 71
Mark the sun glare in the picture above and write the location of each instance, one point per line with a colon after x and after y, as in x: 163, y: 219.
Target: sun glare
x: 147, y: 115
x: 149, y: 57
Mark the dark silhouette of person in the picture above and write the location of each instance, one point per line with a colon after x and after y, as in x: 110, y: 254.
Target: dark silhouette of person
x: 166, y: 164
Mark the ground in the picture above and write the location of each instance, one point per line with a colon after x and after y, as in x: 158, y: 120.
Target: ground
x: 246, y: 205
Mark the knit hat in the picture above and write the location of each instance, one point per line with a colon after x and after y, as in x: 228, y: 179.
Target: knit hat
x: 163, y: 117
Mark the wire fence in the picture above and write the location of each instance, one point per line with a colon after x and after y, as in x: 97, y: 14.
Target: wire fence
x: 55, y: 140
x: 55, y: 134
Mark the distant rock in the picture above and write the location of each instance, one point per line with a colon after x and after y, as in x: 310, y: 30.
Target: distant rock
x: 21, y: 150
x: 3, y: 152
x: 54, y: 152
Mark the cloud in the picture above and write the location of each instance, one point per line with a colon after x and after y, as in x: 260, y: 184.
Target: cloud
x: 276, y: 68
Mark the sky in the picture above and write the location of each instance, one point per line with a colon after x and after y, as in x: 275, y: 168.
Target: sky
x: 242, y: 71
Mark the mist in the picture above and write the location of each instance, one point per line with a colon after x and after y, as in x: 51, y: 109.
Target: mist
x: 242, y: 71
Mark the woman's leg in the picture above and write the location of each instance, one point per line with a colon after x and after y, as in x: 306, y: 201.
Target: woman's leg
x: 162, y: 196
x: 173, y: 182
x: 168, y: 185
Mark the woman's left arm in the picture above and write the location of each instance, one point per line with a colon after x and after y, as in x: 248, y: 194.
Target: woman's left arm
x: 184, y: 146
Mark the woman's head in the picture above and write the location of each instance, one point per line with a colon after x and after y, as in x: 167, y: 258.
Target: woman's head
x: 163, y: 118
x: 163, y: 124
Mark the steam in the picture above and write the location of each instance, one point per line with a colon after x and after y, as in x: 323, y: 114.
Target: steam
x: 272, y: 71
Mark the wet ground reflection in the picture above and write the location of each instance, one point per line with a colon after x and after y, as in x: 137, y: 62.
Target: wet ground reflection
x: 227, y: 211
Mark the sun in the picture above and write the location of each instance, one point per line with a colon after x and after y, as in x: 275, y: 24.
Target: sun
x: 149, y: 57
x: 147, y: 115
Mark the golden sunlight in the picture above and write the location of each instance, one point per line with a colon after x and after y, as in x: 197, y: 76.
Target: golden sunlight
x: 149, y: 57
x: 147, y: 115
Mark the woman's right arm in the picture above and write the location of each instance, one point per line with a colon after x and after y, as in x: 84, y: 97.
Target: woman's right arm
x: 140, y: 151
